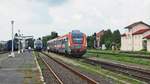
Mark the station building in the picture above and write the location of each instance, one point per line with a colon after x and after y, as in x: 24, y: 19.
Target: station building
x: 137, y: 37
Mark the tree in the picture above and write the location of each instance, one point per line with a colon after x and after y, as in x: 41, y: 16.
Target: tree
x: 117, y: 38
x: 54, y: 35
x: 107, y: 39
x: 49, y: 37
x: 90, y: 41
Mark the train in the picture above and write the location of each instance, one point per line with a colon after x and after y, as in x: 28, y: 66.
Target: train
x: 3, y: 46
x: 73, y: 44
x: 7, y: 45
x: 38, y: 45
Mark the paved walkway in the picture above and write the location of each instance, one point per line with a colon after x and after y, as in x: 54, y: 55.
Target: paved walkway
x: 21, y: 69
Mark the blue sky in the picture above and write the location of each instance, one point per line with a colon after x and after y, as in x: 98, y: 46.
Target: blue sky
x: 40, y: 17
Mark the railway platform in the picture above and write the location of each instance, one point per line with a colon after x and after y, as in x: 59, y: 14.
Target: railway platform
x: 21, y: 69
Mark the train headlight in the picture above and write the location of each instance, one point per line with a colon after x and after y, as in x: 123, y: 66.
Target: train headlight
x: 68, y: 43
x: 86, y: 44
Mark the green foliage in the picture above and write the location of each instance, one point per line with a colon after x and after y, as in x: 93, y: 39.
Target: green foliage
x: 122, y: 58
x: 110, y: 39
x: 143, y: 49
x: 49, y: 37
x: 90, y: 41
x: 107, y: 39
x: 116, y: 37
x: 108, y: 44
x: 54, y: 35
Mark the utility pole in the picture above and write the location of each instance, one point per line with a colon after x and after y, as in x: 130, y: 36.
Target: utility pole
x: 19, y: 41
x: 12, y: 48
x: 95, y: 46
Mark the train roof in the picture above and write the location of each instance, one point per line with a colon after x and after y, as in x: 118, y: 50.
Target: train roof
x: 51, y: 40
x: 60, y: 37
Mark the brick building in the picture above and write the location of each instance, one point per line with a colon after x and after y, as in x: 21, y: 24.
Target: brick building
x: 98, y: 38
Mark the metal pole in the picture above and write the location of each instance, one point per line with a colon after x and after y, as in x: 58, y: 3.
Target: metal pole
x: 12, y: 22
x: 19, y: 41
x: 12, y: 49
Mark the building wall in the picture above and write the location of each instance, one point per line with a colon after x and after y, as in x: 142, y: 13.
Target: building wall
x: 137, y: 43
x: 148, y: 45
x: 126, y: 43
x: 98, y: 38
x: 134, y: 42
x: 123, y: 43
x: 129, y: 43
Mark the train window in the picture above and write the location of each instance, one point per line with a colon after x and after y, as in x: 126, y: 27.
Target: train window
x: 63, y: 41
x: 77, y: 38
x: 66, y: 39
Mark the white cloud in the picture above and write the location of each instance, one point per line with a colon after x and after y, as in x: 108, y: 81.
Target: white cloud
x: 38, y: 17
x: 30, y: 16
x: 94, y: 15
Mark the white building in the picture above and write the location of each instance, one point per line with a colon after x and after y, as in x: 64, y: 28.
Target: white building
x: 136, y: 38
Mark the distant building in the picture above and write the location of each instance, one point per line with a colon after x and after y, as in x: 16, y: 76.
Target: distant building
x: 137, y: 38
x: 98, y: 38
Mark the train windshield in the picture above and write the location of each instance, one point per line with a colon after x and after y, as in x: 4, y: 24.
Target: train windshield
x: 77, y: 38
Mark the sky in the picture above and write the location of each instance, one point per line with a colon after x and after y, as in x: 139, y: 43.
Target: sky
x: 41, y: 17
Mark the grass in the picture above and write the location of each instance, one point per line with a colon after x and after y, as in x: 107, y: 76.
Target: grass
x: 121, y: 58
x: 121, y: 52
x: 41, y: 64
x: 97, y: 70
x: 119, y: 78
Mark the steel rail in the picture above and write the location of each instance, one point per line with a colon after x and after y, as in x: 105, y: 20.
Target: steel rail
x: 130, y: 70
x: 125, y: 54
x: 51, y: 70
x: 89, y: 80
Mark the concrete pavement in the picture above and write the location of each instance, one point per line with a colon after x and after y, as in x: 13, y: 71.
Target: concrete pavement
x: 21, y: 69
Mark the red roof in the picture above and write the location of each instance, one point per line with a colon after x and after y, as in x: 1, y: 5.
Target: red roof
x: 135, y: 24
x: 140, y: 31
x: 123, y: 34
x: 148, y: 36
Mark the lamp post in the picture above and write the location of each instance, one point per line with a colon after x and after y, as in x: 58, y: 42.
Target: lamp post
x: 12, y: 48
x: 19, y: 38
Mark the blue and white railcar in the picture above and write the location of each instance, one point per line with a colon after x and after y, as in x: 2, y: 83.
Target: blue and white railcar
x: 38, y: 45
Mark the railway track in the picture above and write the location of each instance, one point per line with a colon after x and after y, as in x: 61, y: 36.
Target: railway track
x: 64, y: 74
x: 125, y: 54
x: 132, y: 71
x: 138, y: 73
x: 49, y: 71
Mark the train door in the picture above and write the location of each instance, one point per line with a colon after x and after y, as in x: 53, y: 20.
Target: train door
x: 66, y: 46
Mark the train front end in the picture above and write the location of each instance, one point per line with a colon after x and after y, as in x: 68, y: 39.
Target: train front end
x: 78, y: 43
x: 38, y: 45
